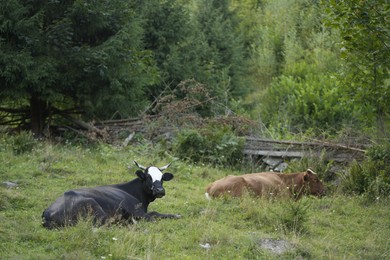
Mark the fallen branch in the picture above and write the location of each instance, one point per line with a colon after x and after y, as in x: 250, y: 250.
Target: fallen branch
x: 86, y: 126
x: 316, y: 143
x: 328, y: 144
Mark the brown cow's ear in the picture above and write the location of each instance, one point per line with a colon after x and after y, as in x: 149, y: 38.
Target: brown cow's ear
x: 305, y: 176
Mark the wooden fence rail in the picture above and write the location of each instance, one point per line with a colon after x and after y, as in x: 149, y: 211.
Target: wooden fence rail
x: 268, y: 148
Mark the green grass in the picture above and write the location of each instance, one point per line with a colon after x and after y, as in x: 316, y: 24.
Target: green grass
x: 334, y: 227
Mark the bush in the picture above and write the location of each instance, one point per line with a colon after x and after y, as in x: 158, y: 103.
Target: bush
x: 190, y: 144
x: 305, y: 103
x: 371, y: 177
x: 23, y: 143
x: 214, y: 144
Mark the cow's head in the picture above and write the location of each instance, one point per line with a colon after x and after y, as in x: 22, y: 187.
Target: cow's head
x: 153, y: 178
x: 313, y: 184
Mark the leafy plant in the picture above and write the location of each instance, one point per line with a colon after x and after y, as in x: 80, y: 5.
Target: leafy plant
x: 364, y: 31
x: 190, y: 144
x: 371, y: 177
x: 23, y: 143
x: 305, y: 103
x: 292, y: 216
x: 214, y: 144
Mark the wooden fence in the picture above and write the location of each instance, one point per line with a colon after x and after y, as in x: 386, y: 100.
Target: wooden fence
x: 273, y: 152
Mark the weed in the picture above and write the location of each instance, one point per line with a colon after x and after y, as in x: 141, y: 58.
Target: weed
x: 214, y: 144
x: 23, y: 143
x: 291, y: 216
x: 371, y: 177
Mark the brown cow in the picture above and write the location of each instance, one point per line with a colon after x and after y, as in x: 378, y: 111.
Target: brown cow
x: 268, y: 184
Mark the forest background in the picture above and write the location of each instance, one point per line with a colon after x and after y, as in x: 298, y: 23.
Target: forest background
x: 314, y: 67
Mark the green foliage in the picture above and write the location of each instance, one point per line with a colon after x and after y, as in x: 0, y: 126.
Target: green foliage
x: 322, y: 64
x: 197, y: 41
x: 174, y: 41
x: 190, y: 144
x: 298, y: 93
x: 292, y: 217
x: 371, y: 177
x: 23, y: 142
x: 110, y: 68
x: 365, y: 52
x: 223, y: 57
x: 216, y: 145
x: 301, y: 104
x: 86, y: 55
x: 305, y: 64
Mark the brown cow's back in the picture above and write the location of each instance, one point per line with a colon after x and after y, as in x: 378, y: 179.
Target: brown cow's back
x: 232, y: 185
x: 264, y: 183
x: 267, y: 184
x: 259, y: 184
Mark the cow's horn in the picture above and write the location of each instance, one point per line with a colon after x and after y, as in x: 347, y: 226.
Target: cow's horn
x: 139, y: 165
x: 165, y: 167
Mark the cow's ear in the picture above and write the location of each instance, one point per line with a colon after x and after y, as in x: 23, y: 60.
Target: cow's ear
x: 305, y: 176
x: 167, y: 176
x: 140, y: 174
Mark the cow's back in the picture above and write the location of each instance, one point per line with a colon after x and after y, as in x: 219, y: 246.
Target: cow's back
x: 264, y: 183
x: 258, y: 184
x: 105, y: 202
x: 232, y: 185
x: 269, y: 184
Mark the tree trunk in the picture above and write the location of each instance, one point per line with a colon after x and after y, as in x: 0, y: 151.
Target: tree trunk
x: 39, y: 111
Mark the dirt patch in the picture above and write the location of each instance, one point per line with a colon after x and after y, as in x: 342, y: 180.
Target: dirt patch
x: 275, y: 246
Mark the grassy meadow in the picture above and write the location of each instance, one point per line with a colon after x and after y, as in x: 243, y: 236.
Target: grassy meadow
x: 334, y: 227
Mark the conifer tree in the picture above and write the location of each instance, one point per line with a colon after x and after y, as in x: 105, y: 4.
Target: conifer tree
x: 58, y: 55
x: 173, y: 40
x: 224, y: 55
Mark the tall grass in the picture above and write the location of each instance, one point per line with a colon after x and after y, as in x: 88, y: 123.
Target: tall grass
x: 335, y: 227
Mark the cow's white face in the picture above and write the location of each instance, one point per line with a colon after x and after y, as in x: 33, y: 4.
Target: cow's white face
x: 153, y: 178
x: 155, y: 173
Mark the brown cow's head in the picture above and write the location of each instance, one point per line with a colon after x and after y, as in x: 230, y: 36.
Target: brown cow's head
x: 313, y: 185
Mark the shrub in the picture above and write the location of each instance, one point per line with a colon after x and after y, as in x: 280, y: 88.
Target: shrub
x: 23, y: 143
x: 310, y: 103
x: 190, y: 144
x: 371, y: 177
x: 213, y: 144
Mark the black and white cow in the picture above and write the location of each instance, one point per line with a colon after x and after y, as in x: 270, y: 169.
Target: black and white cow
x: 119, y: 202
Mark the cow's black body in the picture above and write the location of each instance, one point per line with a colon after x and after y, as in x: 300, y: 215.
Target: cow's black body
x: 119, y: 202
